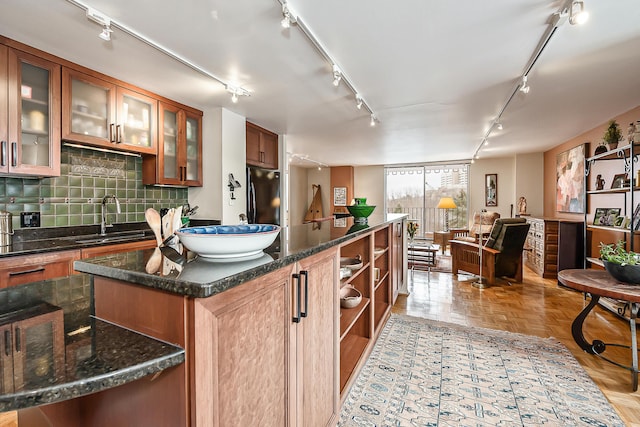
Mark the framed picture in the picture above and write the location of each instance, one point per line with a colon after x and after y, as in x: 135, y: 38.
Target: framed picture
x: 606, y: 216
x: 491, y: 189
x: 636, y: 219
x: 621, y: 222
x: 570, y: 180
x: 339, y: 196
x: 618, y: 180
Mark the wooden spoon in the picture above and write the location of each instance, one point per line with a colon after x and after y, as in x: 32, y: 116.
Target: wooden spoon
x: 153, y: 219
x: 153, y: 265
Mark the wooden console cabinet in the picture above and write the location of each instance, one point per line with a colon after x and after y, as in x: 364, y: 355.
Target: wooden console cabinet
x: 553, y: 245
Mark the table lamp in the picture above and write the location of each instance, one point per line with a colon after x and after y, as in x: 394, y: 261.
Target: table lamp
x: 446, y: 203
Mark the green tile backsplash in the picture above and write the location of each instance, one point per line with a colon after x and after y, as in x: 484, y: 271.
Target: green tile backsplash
x: 74, y: 198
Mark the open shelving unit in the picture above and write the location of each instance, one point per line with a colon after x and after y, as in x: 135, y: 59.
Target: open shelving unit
x: 360, y: 325
x: 621, y: 160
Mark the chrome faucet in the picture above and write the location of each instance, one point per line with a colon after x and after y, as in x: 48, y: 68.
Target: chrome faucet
x: 103, y: 210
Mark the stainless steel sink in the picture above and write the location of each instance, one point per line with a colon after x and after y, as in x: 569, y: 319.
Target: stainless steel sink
x: 115, y: 237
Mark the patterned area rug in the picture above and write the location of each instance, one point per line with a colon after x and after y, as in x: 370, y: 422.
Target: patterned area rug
x: 428, y: 373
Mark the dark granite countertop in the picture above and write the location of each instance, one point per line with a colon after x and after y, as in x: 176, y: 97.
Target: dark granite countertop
x: 30, y: 241
x: 60, y: 351
x: 198, y: 277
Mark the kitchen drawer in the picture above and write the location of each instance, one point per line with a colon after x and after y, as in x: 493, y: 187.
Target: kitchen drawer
x: 33, y: 268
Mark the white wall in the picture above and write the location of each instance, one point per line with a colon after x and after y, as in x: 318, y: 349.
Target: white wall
x: 234, y: 154
x: 297, y: 194
x: 209, y: 195
x: 529, y: 182
x: 505, y: 168
x: 368, y: 181
x: 223, y: 152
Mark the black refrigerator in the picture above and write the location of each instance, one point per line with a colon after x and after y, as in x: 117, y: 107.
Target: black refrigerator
x: 263, y: 196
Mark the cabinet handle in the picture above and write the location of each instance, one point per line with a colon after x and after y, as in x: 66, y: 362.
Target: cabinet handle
x: 7, y: 342
x: 118, y: 135
x: 19, y: 273
x: 14, y: 154
x: 18, y: 346
x: 296, y: 319
x: 3, y: 155
x: 305, y: 274
x: 111, y: 134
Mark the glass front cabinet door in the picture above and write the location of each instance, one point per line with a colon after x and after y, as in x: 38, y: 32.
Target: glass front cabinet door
x: 179, y: 160
x: 30, y: 125
x: 100, y: 113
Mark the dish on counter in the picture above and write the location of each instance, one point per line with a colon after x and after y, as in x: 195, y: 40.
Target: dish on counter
x: 229, y: 242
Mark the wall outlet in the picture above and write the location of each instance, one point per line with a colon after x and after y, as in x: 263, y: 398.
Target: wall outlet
x: 29, y: 219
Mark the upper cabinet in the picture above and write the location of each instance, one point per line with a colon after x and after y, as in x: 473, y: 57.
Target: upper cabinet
x: 29, y: 114
x: 179, y: 159
x: 101, y: 113
x: 262, y: 147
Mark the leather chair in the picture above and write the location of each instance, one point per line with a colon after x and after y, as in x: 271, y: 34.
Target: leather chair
x: 501, y: 255
x: 480, y: 225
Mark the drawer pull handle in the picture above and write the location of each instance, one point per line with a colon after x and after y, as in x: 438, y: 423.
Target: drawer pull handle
x: 3, y: 155
x: 305, y: 274
x: 296, y: 318
x: 18, y: 346
x: 7, y: 342
x: 33, y: 270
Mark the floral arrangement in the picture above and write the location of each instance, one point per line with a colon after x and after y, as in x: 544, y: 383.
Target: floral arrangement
x: 412, y: 228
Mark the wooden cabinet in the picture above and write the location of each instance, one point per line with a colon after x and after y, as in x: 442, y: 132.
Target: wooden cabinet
x: 18, y: 270
x: 29, y: 114
x: 542, y: 247
x: 99, y: 112
x: 266, y: 351
x: 117, y: 248
x: 179, y: 159
x: 262, y: 147
x: 32, y: 342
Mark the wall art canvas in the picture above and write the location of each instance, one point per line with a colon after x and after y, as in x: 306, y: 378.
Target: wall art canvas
x: 570, y: 180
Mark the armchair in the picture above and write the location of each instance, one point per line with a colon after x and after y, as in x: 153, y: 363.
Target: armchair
x: 478, y: 227
x: 501, y: 255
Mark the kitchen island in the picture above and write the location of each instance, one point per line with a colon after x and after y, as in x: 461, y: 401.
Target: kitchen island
x: 265, y: 340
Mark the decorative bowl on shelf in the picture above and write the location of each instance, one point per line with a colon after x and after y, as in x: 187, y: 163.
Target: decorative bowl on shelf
x: 349, y: 297
x: 229, y: 242
x: 351, y: 263
x: 625, y: 273
x: 360, y: 211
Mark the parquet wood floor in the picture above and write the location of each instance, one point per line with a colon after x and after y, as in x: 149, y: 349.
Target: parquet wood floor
x: 535, y: 307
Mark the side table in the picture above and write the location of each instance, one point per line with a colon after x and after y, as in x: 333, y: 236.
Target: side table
x: 441, y: 238
x: 599, y: 283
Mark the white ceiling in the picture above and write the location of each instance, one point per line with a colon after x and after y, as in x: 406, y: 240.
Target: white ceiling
x: 435, y: 73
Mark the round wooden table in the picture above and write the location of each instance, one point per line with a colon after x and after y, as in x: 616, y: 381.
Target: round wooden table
x: 599, y: 283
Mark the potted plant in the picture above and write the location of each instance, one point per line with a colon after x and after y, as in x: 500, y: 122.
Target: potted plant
x: 612, y: 135
x: 622, y: 265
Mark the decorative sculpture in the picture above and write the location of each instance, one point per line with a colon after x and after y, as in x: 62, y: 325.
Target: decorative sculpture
x: 522, y: 206
x: 599, y: 182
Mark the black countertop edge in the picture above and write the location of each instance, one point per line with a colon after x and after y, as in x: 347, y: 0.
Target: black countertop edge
x: 204, y: 290
x: 94, y: 383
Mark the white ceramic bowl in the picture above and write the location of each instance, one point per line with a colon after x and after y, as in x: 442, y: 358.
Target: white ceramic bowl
x: 229, y: 242
x: 349, y: 297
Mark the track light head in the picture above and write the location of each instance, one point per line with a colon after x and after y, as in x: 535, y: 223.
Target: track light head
x: 337, y: 75
x: 358, y: 102
x: 524, y: 87
x: 373, y: 120
x: 235, y: 92
x: 499, y: 125
x: 577, y: 14
x: 486, y: 142
x: 106, y: 33
x: 288, y: 18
